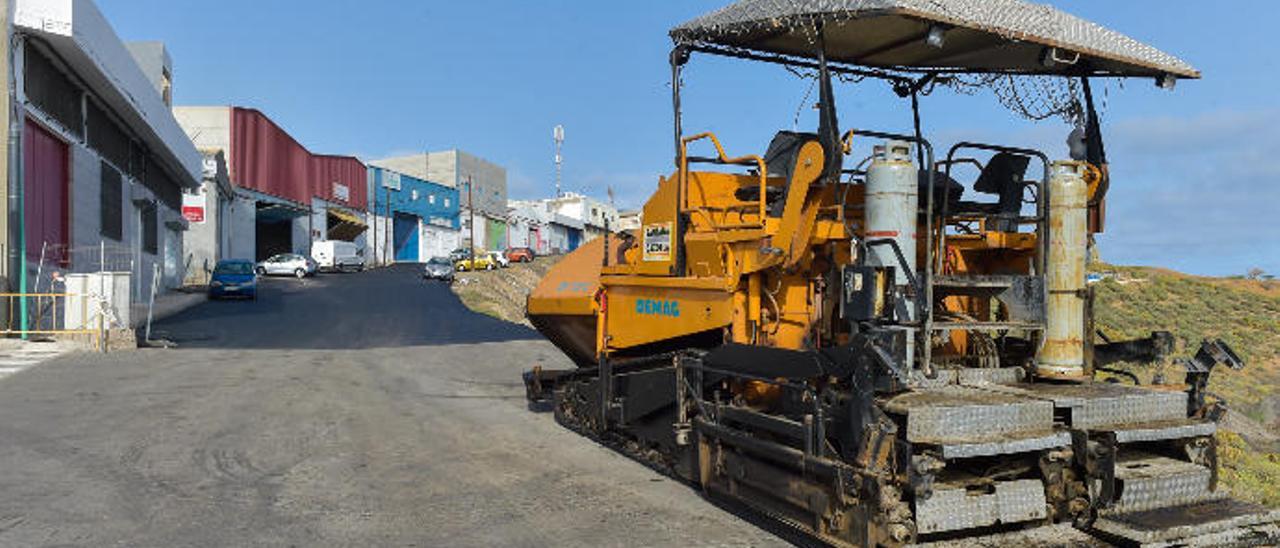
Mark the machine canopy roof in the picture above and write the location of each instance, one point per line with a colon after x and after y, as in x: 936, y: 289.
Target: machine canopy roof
x: 1002, y: 36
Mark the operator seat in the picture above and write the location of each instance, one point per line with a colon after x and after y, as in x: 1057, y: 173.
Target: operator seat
x: 945, y: 191
x: 780, y: 160
x: 1004, y: 176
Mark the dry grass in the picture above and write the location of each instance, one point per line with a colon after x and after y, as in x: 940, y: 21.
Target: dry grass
x: 1244, y: 313
x: 501, y: 293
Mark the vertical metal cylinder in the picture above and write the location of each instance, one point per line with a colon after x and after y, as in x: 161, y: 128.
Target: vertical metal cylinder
x: 1062, y: 356
x: 893, y: 199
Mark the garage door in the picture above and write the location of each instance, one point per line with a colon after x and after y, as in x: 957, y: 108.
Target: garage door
x: 405, y: 238
x: 44, y: 194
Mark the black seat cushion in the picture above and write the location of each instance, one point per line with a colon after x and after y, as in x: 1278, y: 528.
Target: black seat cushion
x: 780, y: 159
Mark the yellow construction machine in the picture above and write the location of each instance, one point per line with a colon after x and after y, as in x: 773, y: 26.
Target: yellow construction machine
x: 878, y: 341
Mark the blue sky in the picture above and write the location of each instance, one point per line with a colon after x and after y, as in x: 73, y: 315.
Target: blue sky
x: 1194, y: 171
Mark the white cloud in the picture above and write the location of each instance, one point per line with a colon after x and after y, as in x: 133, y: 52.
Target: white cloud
x: 1197, y: 193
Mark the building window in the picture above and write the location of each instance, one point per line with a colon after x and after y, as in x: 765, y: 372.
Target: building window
x: 446, y: 202
x: 150, y: 228
x: 431, y: 199
x: 111, y: 204
x: 51, y: 91
x: 166, y: 88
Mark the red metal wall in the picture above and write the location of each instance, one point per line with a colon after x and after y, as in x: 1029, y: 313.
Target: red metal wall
x: 326, y: 171
x: 267, y: 159
x: 45, y: 193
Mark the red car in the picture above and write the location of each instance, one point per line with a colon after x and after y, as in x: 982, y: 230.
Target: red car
x: 520, y: 255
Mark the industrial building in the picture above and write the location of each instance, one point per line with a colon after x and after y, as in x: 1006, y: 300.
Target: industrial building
x: 213, y: 211
x: 299, y: 197
x: 597, y: 217
x: 423, y: 217
x: 475, y: 178
x: 103, y: 162
x: 629, y: 220
x: 560, y: 225
x: 537, y: 226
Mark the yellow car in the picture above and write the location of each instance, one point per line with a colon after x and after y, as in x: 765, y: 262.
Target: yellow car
x: 483, y: 262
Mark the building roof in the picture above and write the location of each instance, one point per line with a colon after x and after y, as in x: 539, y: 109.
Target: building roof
x: 980, y: 35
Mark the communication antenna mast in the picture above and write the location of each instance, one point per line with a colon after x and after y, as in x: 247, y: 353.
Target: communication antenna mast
x: 558, y: 135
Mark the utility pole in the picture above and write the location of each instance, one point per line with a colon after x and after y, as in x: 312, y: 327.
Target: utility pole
x: 471, y: 208
x: 387, y: 242
x: 558, y: 135
x: 13, y: 244
x: 8, y: 203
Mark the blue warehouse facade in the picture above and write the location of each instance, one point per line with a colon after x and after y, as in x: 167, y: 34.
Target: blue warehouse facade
x: 416, y: 219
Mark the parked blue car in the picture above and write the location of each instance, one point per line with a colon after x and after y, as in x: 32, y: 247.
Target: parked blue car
x: 234, y: 278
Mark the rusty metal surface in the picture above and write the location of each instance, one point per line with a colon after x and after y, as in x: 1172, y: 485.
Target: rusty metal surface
x: 956, y: 509
x: 1006, y: 446
x: 1062, y: 355
x: 968, y: 377
x: 1165, y: 430
x: 1150, y: 481
x: 957, y: 414
x: 1216, y: 523
x: 1097, y: 405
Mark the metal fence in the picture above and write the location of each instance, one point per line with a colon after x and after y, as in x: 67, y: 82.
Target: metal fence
x: 44, y: 315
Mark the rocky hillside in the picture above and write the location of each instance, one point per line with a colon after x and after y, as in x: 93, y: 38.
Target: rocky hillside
x: 501, y: 293
x: 1133, y: 302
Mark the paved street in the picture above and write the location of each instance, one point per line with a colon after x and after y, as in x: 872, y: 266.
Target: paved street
x: 367, y: 409
x: 17, y: 355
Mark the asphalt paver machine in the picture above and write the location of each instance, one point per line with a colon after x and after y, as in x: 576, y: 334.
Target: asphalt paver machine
x: 852, y: 338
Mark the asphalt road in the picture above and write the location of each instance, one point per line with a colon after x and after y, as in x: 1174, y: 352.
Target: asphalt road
x: 384, y: 308
x: 367, y: 409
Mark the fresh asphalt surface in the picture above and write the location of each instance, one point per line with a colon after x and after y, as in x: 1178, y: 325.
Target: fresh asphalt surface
x: 367, y: 409
x: 384, y: 308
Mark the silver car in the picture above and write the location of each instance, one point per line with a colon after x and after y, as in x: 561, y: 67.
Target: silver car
x: 287, y: 264
x: 438, y: 268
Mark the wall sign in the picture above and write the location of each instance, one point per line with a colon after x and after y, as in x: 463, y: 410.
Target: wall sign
x: 193, y: 206
x: 209, y: 167
x: 341, y: 192
x: 657, y: 242
x: 391, y: 180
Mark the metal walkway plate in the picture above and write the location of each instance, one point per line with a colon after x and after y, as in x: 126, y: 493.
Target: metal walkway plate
x: 958, y: 509
x: 1099, y: 405
x: 1147, y: 481
x: 1216, y: 523
x: 965, y: 415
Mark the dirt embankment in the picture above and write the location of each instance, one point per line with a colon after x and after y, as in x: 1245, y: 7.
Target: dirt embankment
x: 501, y: 293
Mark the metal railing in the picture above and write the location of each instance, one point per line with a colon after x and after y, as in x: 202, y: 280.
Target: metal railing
x: 721, y: 158
x: 46, y: 316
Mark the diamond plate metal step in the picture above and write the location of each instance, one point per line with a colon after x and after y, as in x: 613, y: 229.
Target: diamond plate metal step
x: 965, y: 415
x: 1213, y: 523
x: 1103, y: 405
x: 956, y: 509
x: 1165, y: 430
x: 1146, y: 482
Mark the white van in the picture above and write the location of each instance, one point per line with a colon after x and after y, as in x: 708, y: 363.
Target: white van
x: 337, y: 255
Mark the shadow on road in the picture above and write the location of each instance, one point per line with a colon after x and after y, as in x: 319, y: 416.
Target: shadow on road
x: 386, y: 308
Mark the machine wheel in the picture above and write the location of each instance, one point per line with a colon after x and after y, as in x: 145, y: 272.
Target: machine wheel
x: 489, y: 267
x: 261, y: 271
x: 300, y: 273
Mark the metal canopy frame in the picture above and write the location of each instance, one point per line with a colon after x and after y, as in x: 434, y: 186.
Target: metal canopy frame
x: 933, y: 36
